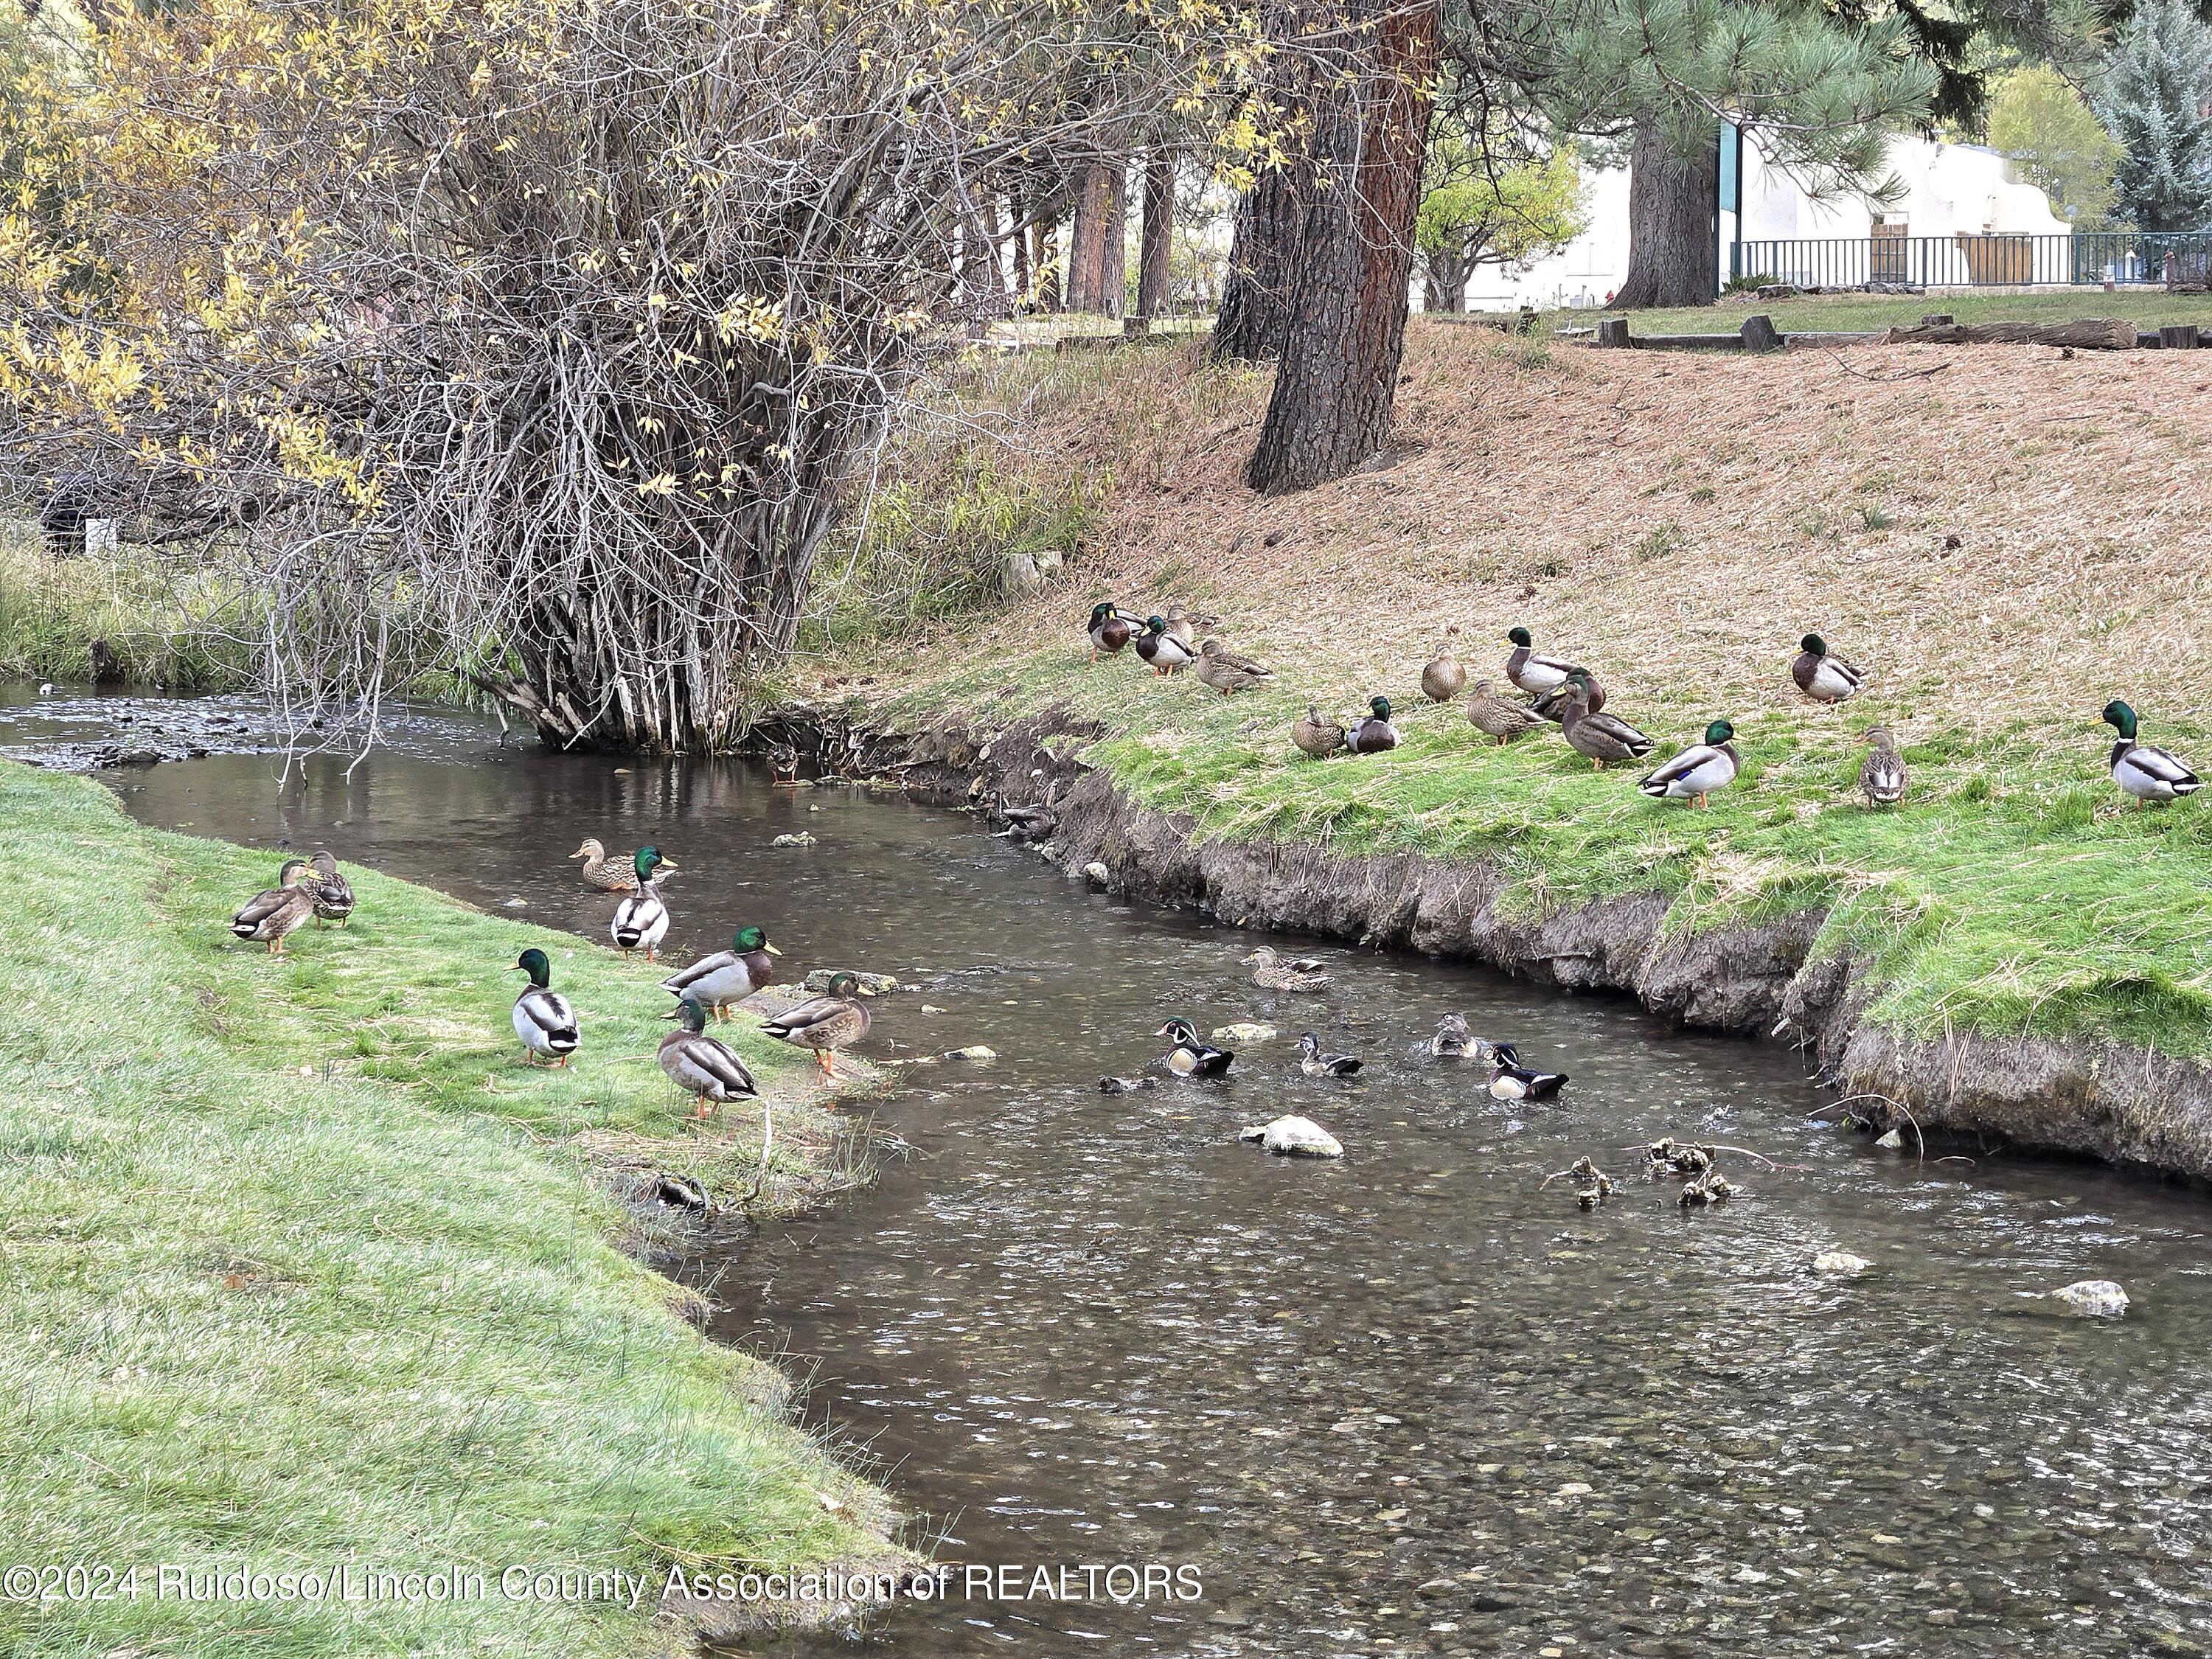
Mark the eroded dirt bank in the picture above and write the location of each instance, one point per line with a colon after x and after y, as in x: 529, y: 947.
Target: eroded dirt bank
x: 2117, y: 1102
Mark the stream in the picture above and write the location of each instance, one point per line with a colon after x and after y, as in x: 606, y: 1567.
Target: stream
x: 1411, y: 1402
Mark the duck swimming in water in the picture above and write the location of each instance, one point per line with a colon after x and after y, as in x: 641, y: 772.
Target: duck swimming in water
x: 1314, y: 1063
x: 1192, y: 1056
x: 1510, y: 1080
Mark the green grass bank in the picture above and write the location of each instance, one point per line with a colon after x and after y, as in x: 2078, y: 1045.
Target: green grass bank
x: 301, y: 1268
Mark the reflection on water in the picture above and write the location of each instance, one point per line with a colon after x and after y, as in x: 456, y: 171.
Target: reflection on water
x: 1410, y: 1403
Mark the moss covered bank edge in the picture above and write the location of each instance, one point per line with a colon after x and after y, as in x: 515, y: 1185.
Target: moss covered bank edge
x: 2114, y: 1101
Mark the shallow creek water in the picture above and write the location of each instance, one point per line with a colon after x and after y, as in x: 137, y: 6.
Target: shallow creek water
x: 1411, y: 1402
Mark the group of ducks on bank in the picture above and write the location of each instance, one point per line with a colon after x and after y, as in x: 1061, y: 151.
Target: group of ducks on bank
x: 704, y: 1066
x: 1568, y: 695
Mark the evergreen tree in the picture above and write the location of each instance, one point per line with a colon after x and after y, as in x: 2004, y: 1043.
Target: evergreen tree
x: 2157, y: 101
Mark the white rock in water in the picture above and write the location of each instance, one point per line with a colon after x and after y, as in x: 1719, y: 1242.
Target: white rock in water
x: 1097, y: 872
x: 1894, y: 1142
x: 1840, y: 1261
x: 1300, y: 1137
x: 974, y: 1051
x: 2098, y: 1298
x: 1244, y: 1030
x: 802, y: 839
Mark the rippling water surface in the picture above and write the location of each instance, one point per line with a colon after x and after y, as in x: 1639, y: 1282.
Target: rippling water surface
x: 1411, y: 1402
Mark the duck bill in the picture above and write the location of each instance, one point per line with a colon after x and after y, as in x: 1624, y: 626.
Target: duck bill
x: 772, y: 951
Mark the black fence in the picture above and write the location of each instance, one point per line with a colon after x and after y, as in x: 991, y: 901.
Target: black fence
x: 1998, y: 260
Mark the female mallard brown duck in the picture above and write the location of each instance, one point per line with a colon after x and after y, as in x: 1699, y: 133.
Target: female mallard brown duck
x: 333, y: 892
x: 542, y: 1018
x: 1184, y: 626
x: 1536, y: 675
x: 1823, y: 676
x: 782, y: 768
x: 641, y: 920
x: 1109, y: 629
x: 1442, y: 679
x: 836, y: 1019
x: 618, y: 875
x: 1375, y: 733
x: 1698, y: 770
x: 704, y: 1067
x: 268, y: 917
x: 715, y: 981
x: 1601, y: 737
x: 1162, y: 651
x: 2141, y: 769
x: 1881, y: 773
x: 1501, y: 717
x: 1316, y: 736
x: 1227, y: 671
x: 1272, y: 972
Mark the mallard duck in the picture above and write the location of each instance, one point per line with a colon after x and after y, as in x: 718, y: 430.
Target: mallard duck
x: 704, y: 1067
x: 1881, y: 773
x: 1109, y: 629
x: 1191, y: 1056
x: 715, y: 981
x: 1698, y: 770
x: 1374, y: 734
x: 333, y: 892
x: 1823, y: 676
x: 1601, y: 737
x: 2141, y: 769
x: 833, y: 1020
x: 1552, y: 704
x: 1314, y: 1063
x: 1501, y: 717
x: 542, y: 1018
x: 1163, y: 650
x: 782, y: 768
x: 641, y: 920
x: 1227, y: 671
x: 613, y: 875
x: 1510, y: 1080
x: 1028, y: 825
x: 1272, y: 971
x: 1442, y: 679
x: 1184, y: 626
x: 1315, y: 736
x: 268, y: 917
x: 1454, y: 1041
x: 1534, y: 674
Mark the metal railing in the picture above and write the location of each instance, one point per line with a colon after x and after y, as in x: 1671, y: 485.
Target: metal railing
x: 1998, y: 259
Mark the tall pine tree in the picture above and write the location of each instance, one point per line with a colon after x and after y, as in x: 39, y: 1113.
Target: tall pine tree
x: 2157, y: 90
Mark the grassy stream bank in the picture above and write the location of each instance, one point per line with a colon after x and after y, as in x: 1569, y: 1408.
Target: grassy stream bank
x: 301, y: 1268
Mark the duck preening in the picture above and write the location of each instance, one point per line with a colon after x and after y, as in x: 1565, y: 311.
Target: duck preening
x: 1191, y: 1055
x: 704, y: 1067
x: 1501, y: 717
x: 728, y: 976
x: 1162, y: 650
x: 1698, y: 770
x: 1316, y: 735
x: 1443, y: 677
x: 1227, y: 671
x: 270, y: 915
x: 2141, y: 769
x: 782, y: 767
x: 1822, y: 675
x: 333, y: 892
x: 1603, y: 738
x: 836, y: 1019
x: 1109, y: 629
x: 1453, y: 1040
x: 1881, y: 773
x: 1314, y: 1063
x: 1510, y: 1080
x: 1536, y: 674
x: 641, y: 920
x: 1375, y: 733
x: 542, y: 1018
x: 1027, y: 824
x: 1272, y: 971
x: 615, y: 874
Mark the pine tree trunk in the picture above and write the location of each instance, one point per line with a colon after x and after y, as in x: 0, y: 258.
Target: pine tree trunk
x: 1447, y: 271
x: 1097, y: 264
x: 1153, y: 272
x: 1337, y: 377
x: 1249, y: 327
x: 1673, y: 259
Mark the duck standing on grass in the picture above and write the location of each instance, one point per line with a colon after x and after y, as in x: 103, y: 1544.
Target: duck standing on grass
x: 1191, y: 1056
x: 1316, y: 736
x: 704, y: 1067
x: 1314, y: 1063
x: 641, y: 920
x: 715, y: 981
x: 268, y: 916
x: 1603, y: 738
x: 1510, y: 1080
x: 2141, y: 769
x: 825, y: 1024
x: 1272, y: 971
x: 1374, y: 734
x: 1881, y: 773
x: 1443, y: 676
x: 1822, y: 675
x: 1162, y: 650
x: 1536, y: 675
x: 1109, y: 629
x: 542, y: 1018
x: 1225, y: 671
x: 333, y: 892
x: 1501, y: 717
x: 1698, y: 770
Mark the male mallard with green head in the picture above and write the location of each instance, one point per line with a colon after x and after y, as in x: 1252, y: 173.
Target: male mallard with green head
x: 1881, y: 773
x: 1272, y: 971
x: 1698, y: 770
x: 1501, y: 717
x: 728, y: 976
x: 1227, y: 671
x: 1316, y: 735
x: 641, y: 920
x: 836, y: 1019
x: 542, y: 1018
x: 1536, y: 675
x: 1821, y: 674
x: 268, y: 917
x: 1109, y: 629
x: 333, y: 892
x: 2142, y: 770
x: 704, y: 1067
x: 1375, y: 733
x: 1162, y: 650
x: 1443, y: 676
x: 1603, y: 738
